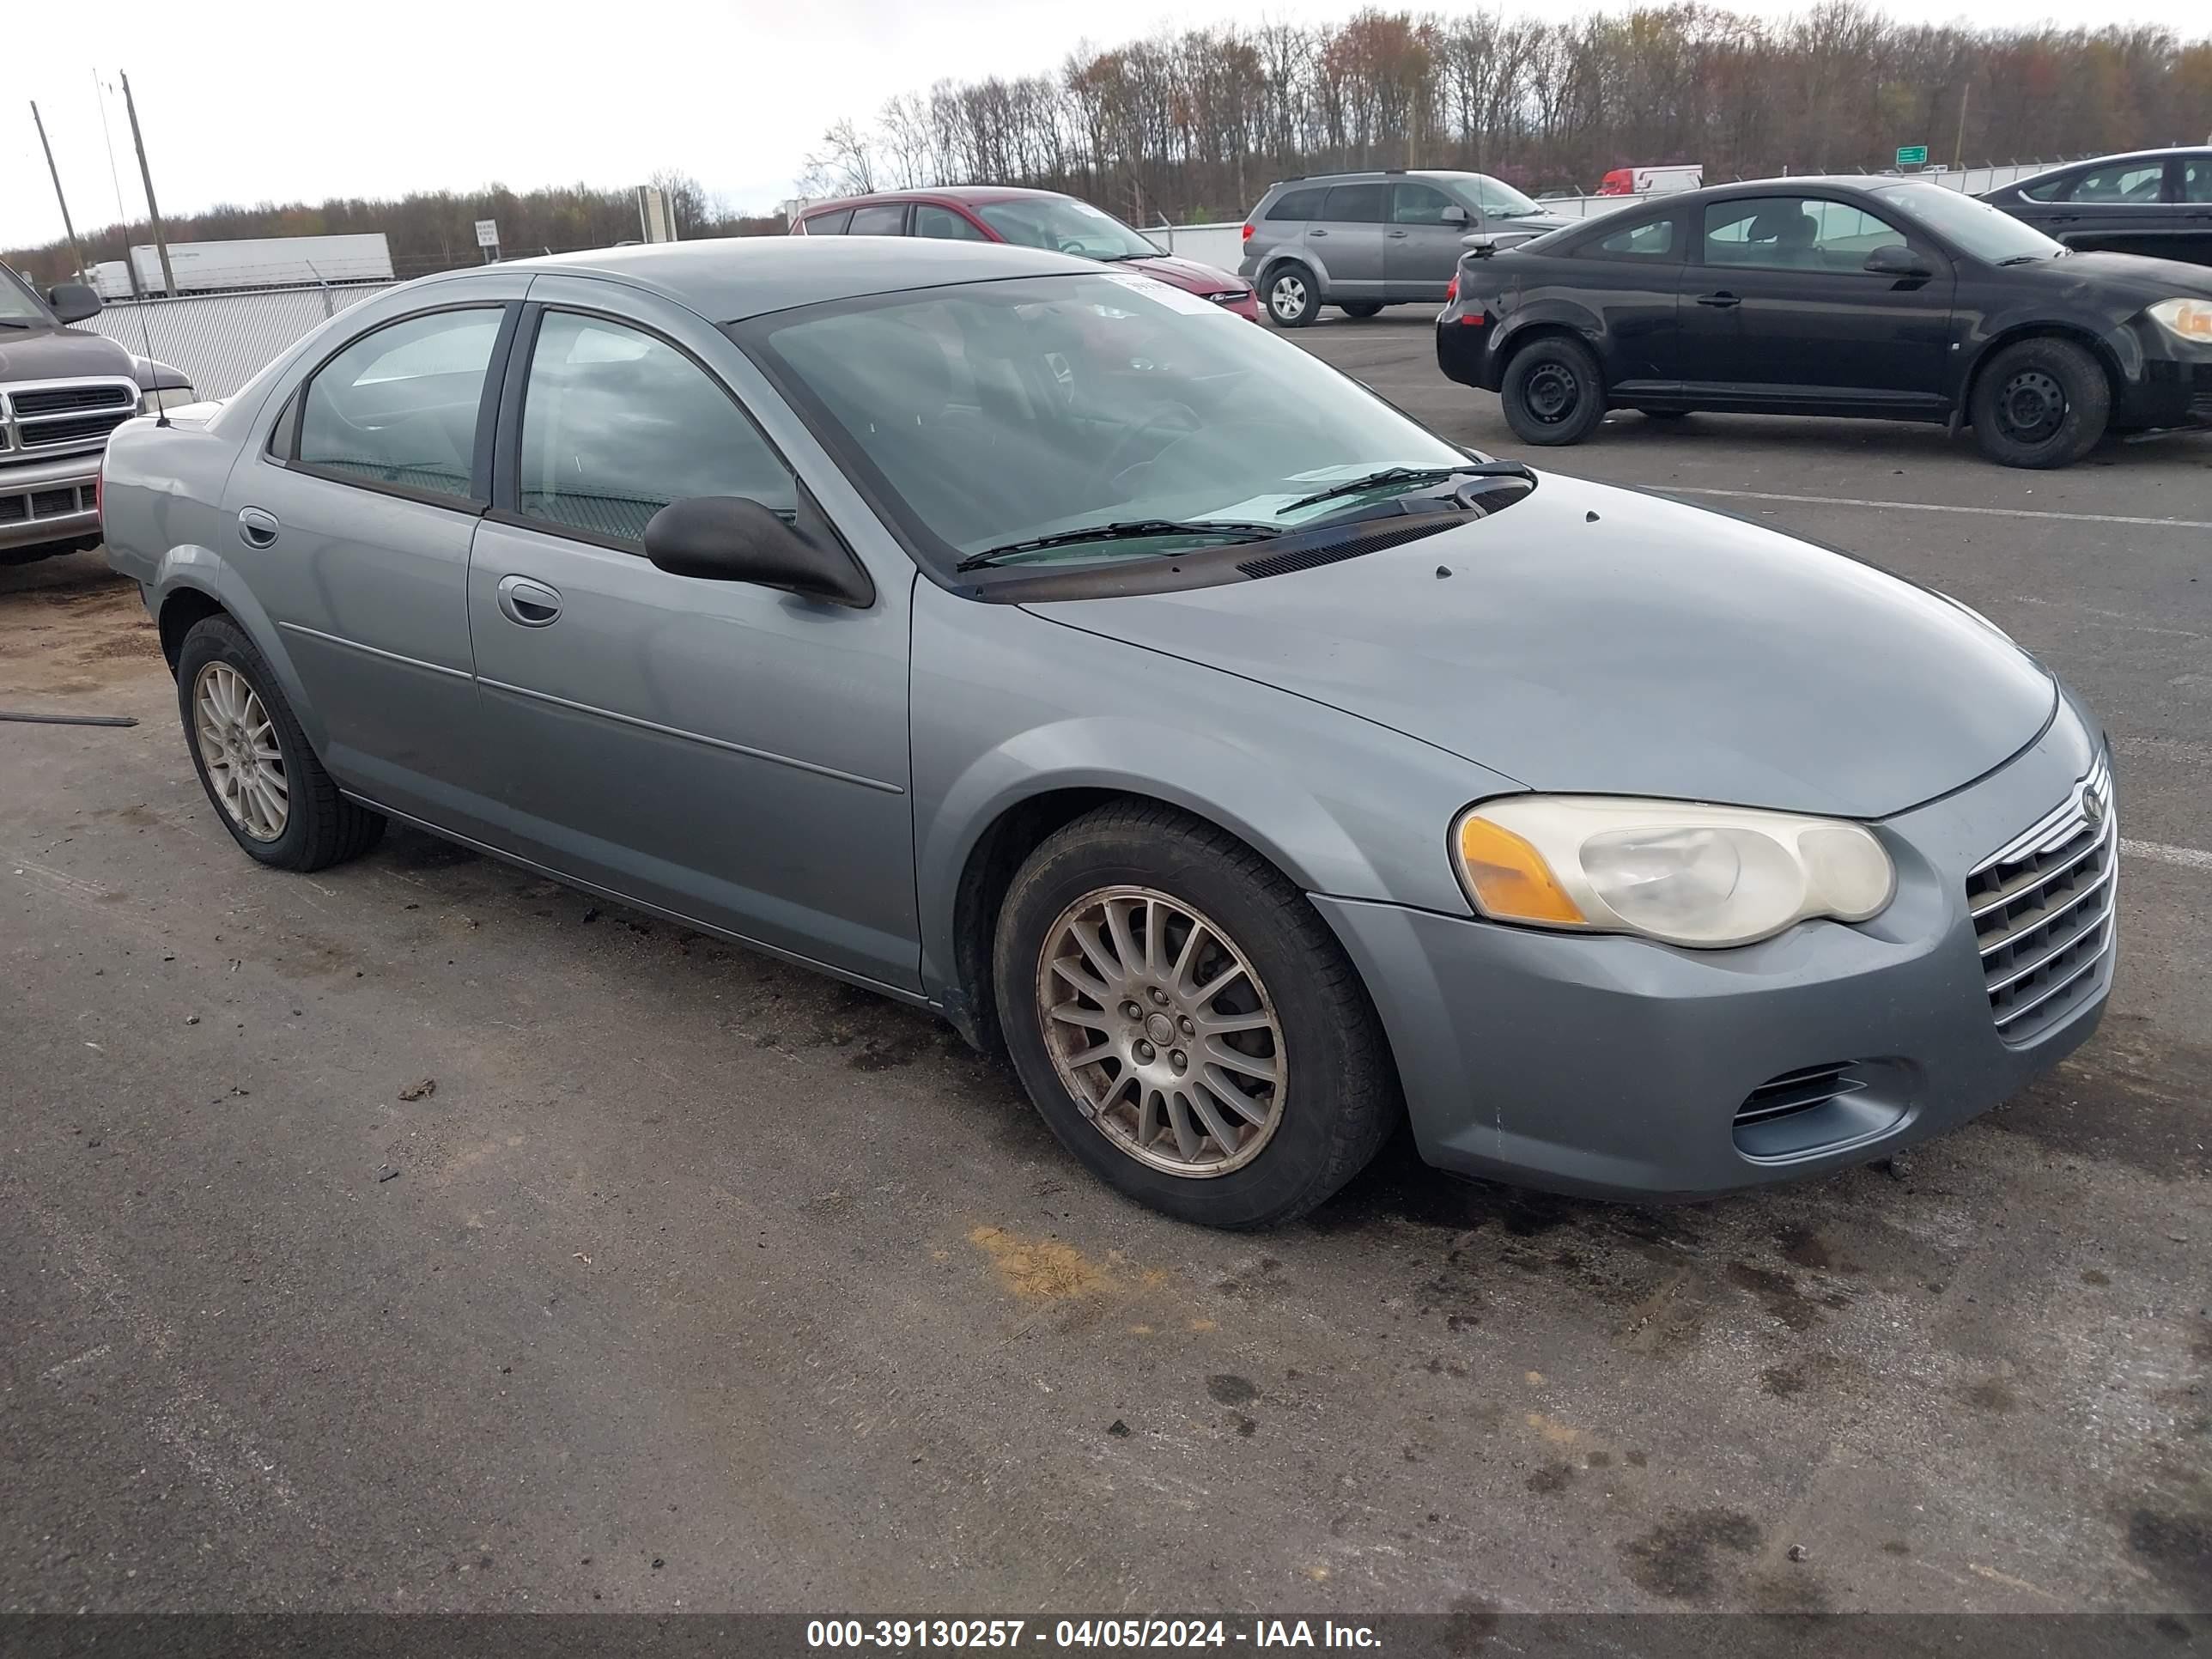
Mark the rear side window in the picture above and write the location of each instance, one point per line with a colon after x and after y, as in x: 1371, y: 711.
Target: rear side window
x: 2196, y: 178
x: 883, y: 219
x: 829, y: 224
x: 618, y: 423
x: 1298, y: 204
x: 944, y: 225
x: 2117, y: 181
x: 399, y: 405
x: 1356, y: 204
x: 1648, y: 239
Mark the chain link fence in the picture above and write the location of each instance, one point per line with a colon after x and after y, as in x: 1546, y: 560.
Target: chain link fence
x: 221, y: 341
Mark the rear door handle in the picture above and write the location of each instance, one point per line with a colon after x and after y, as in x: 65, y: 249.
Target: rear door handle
x: 257, y: 526
x: 531, y: 604
x: 1722, y: 300
x: 1397, y: 233
x: 1317, y: 233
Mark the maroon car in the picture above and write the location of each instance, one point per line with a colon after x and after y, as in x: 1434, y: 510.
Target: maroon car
x: 1028, y: 218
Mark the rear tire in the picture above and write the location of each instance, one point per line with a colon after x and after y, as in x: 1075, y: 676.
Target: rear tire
x: 1299, y: 1075
x: 1363, y: 310
x: 1554, y: 392
x: 2041, y: 402
x: 1293, y: 297
x: 219, y: 671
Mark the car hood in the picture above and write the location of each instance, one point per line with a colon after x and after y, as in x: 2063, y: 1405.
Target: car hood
x: 1596, y: 640
x: 1187, y: 274
x: 61, y: 354
x: 2133, y: 274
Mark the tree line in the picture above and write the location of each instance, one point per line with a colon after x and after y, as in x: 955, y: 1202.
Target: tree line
x: 1194, y: 126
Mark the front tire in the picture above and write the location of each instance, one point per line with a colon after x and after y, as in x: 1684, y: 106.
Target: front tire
x: 1185, y: 1022
x: 1554, y: 392
x: 254, y: 761
x: 1363, y: 311
x: 1293, y: 297
x: 2041, y: 402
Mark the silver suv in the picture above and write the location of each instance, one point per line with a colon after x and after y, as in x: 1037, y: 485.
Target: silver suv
x: 1363, y: 240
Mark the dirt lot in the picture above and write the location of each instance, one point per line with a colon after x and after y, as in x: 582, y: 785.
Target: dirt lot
x: 698, y: 1281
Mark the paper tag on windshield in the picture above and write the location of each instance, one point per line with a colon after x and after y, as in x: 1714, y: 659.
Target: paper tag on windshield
x: 1175, y: 299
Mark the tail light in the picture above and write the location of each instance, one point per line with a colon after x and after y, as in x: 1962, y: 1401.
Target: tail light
x: 1451, y: 291
x: 1247, y: 235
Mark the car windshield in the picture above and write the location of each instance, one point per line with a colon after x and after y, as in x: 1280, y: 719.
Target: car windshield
x: 996, y: 413
x: 1066, y: 226
x: 1497, y: 198
x: 1976, y: 227
x: 17, y: 304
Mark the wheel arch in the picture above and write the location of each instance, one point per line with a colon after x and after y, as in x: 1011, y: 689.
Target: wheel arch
x: 2037, y: 329
x: 1272, y: 266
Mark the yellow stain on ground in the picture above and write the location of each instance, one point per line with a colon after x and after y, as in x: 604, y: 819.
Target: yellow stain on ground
x: 1041, y: 1269
x: 1140, y: 1330
x: 1535, y: 1379
x: 1316, y: 1573
x: 1559, y: 1433
x: 1204, y: 1325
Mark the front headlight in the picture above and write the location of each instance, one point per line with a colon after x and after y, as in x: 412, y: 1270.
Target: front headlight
x: 157, y: 400
x: 1705, y: 877
x: 2190, y: 318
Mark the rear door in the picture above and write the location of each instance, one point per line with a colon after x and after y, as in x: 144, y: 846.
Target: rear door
x: 1349, y: 239
x: 1422, y: 244
x: 351, y: 524
x: 1781, y: 312
x: 730, y: 754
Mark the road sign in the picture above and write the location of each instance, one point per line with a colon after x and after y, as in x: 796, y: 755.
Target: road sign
x: 488, y: 229
x: 1912, y: 156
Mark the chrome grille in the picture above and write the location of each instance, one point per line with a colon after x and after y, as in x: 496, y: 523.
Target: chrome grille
x: 54, y: 416
x: 2043, y: 908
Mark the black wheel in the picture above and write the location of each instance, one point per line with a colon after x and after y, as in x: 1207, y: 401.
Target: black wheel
x: 269, y: 789
x: 1186, y: 1023
x: 1553, y: 392
x: 2040, y: 403
x: 1363, y: 310
x: 1293, y: 297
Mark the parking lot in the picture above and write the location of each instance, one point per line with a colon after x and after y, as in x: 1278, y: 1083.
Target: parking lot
x: 422, y: 1234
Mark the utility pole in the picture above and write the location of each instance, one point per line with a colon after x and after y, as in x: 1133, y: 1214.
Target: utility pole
x: 1959, y: 149
x: 69, y: 229
x: 146, y: 173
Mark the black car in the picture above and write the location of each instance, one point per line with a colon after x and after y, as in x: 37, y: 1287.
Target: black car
x: 2156, y: 202
x: 1895, y: 298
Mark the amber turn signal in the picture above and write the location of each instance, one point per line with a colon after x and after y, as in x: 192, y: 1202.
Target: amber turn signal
x: 1509, y: 878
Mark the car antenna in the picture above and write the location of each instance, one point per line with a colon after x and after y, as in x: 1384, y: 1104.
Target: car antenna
x: 130, y: 265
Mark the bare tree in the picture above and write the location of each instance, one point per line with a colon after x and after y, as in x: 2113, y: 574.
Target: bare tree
x: 844, y: 166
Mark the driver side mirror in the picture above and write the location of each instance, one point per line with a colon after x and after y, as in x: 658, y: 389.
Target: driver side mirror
x: 1454, y: 215
x: 1898, y: 260
x: 72, y: 302
x: 732, y: 538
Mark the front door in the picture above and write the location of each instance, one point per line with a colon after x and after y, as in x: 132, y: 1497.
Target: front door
x: 1783, y: 313
x: 1421, y: 247
x: 727, y: 752
x: 1348, y: 240
x: 352, y: 520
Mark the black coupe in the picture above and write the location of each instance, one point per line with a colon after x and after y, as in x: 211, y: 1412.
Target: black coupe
x: 1893, y: 298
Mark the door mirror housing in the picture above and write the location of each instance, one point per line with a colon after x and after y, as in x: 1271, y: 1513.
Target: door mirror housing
x: 72, y: 302
x: 733, y: 538
x: 1899, y: 260
x: 1454, y: 215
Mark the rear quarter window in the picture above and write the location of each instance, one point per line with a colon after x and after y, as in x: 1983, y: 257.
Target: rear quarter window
x: 828, y: 224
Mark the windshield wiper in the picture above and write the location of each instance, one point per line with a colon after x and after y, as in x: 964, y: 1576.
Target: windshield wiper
x: 1414, y: 475
x: 1124, y: 530
x: 2031, y: 258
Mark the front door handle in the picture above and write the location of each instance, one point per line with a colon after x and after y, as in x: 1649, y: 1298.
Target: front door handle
x: 1317, y: 233
x: 531, y: 604
x: 257, y: 526
x: 1397, y: 233
x: 1722, y: 300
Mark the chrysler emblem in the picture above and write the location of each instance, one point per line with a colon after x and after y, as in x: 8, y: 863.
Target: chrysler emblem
x: 2092, y: 808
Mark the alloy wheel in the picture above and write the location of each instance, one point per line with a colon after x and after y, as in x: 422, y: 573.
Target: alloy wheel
x: 1288, y: 297
x: 238, y: 746
x: 1161, y: 1029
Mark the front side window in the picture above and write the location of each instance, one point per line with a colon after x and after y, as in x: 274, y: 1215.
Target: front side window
x: 617, y: 424
x: 1357, y: 204
x: 1794, y: 233
x: 1652, y: 239
x: 1424, y: 204
x: 883, y: 219
x: 829, y: 224
x: 944, y: 225
x: 1064, y: 225
x: 2115, y: 181
x: 399, y: 405
x: 991, y: 413
x: 1298, y: 204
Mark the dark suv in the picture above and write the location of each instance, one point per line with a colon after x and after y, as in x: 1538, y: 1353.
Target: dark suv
x: 2156, y: 202
x: 62, y: 391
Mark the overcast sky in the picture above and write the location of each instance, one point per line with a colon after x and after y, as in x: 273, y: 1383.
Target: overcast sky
x: 249, y: 102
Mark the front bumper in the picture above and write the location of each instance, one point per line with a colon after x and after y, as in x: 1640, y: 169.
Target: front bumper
x: 49, y: 500
x: 2172, y: 391
x: 1615, y: 1067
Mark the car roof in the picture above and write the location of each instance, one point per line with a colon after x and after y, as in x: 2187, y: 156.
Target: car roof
x: 729, y: 278
x: 970, y: 193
